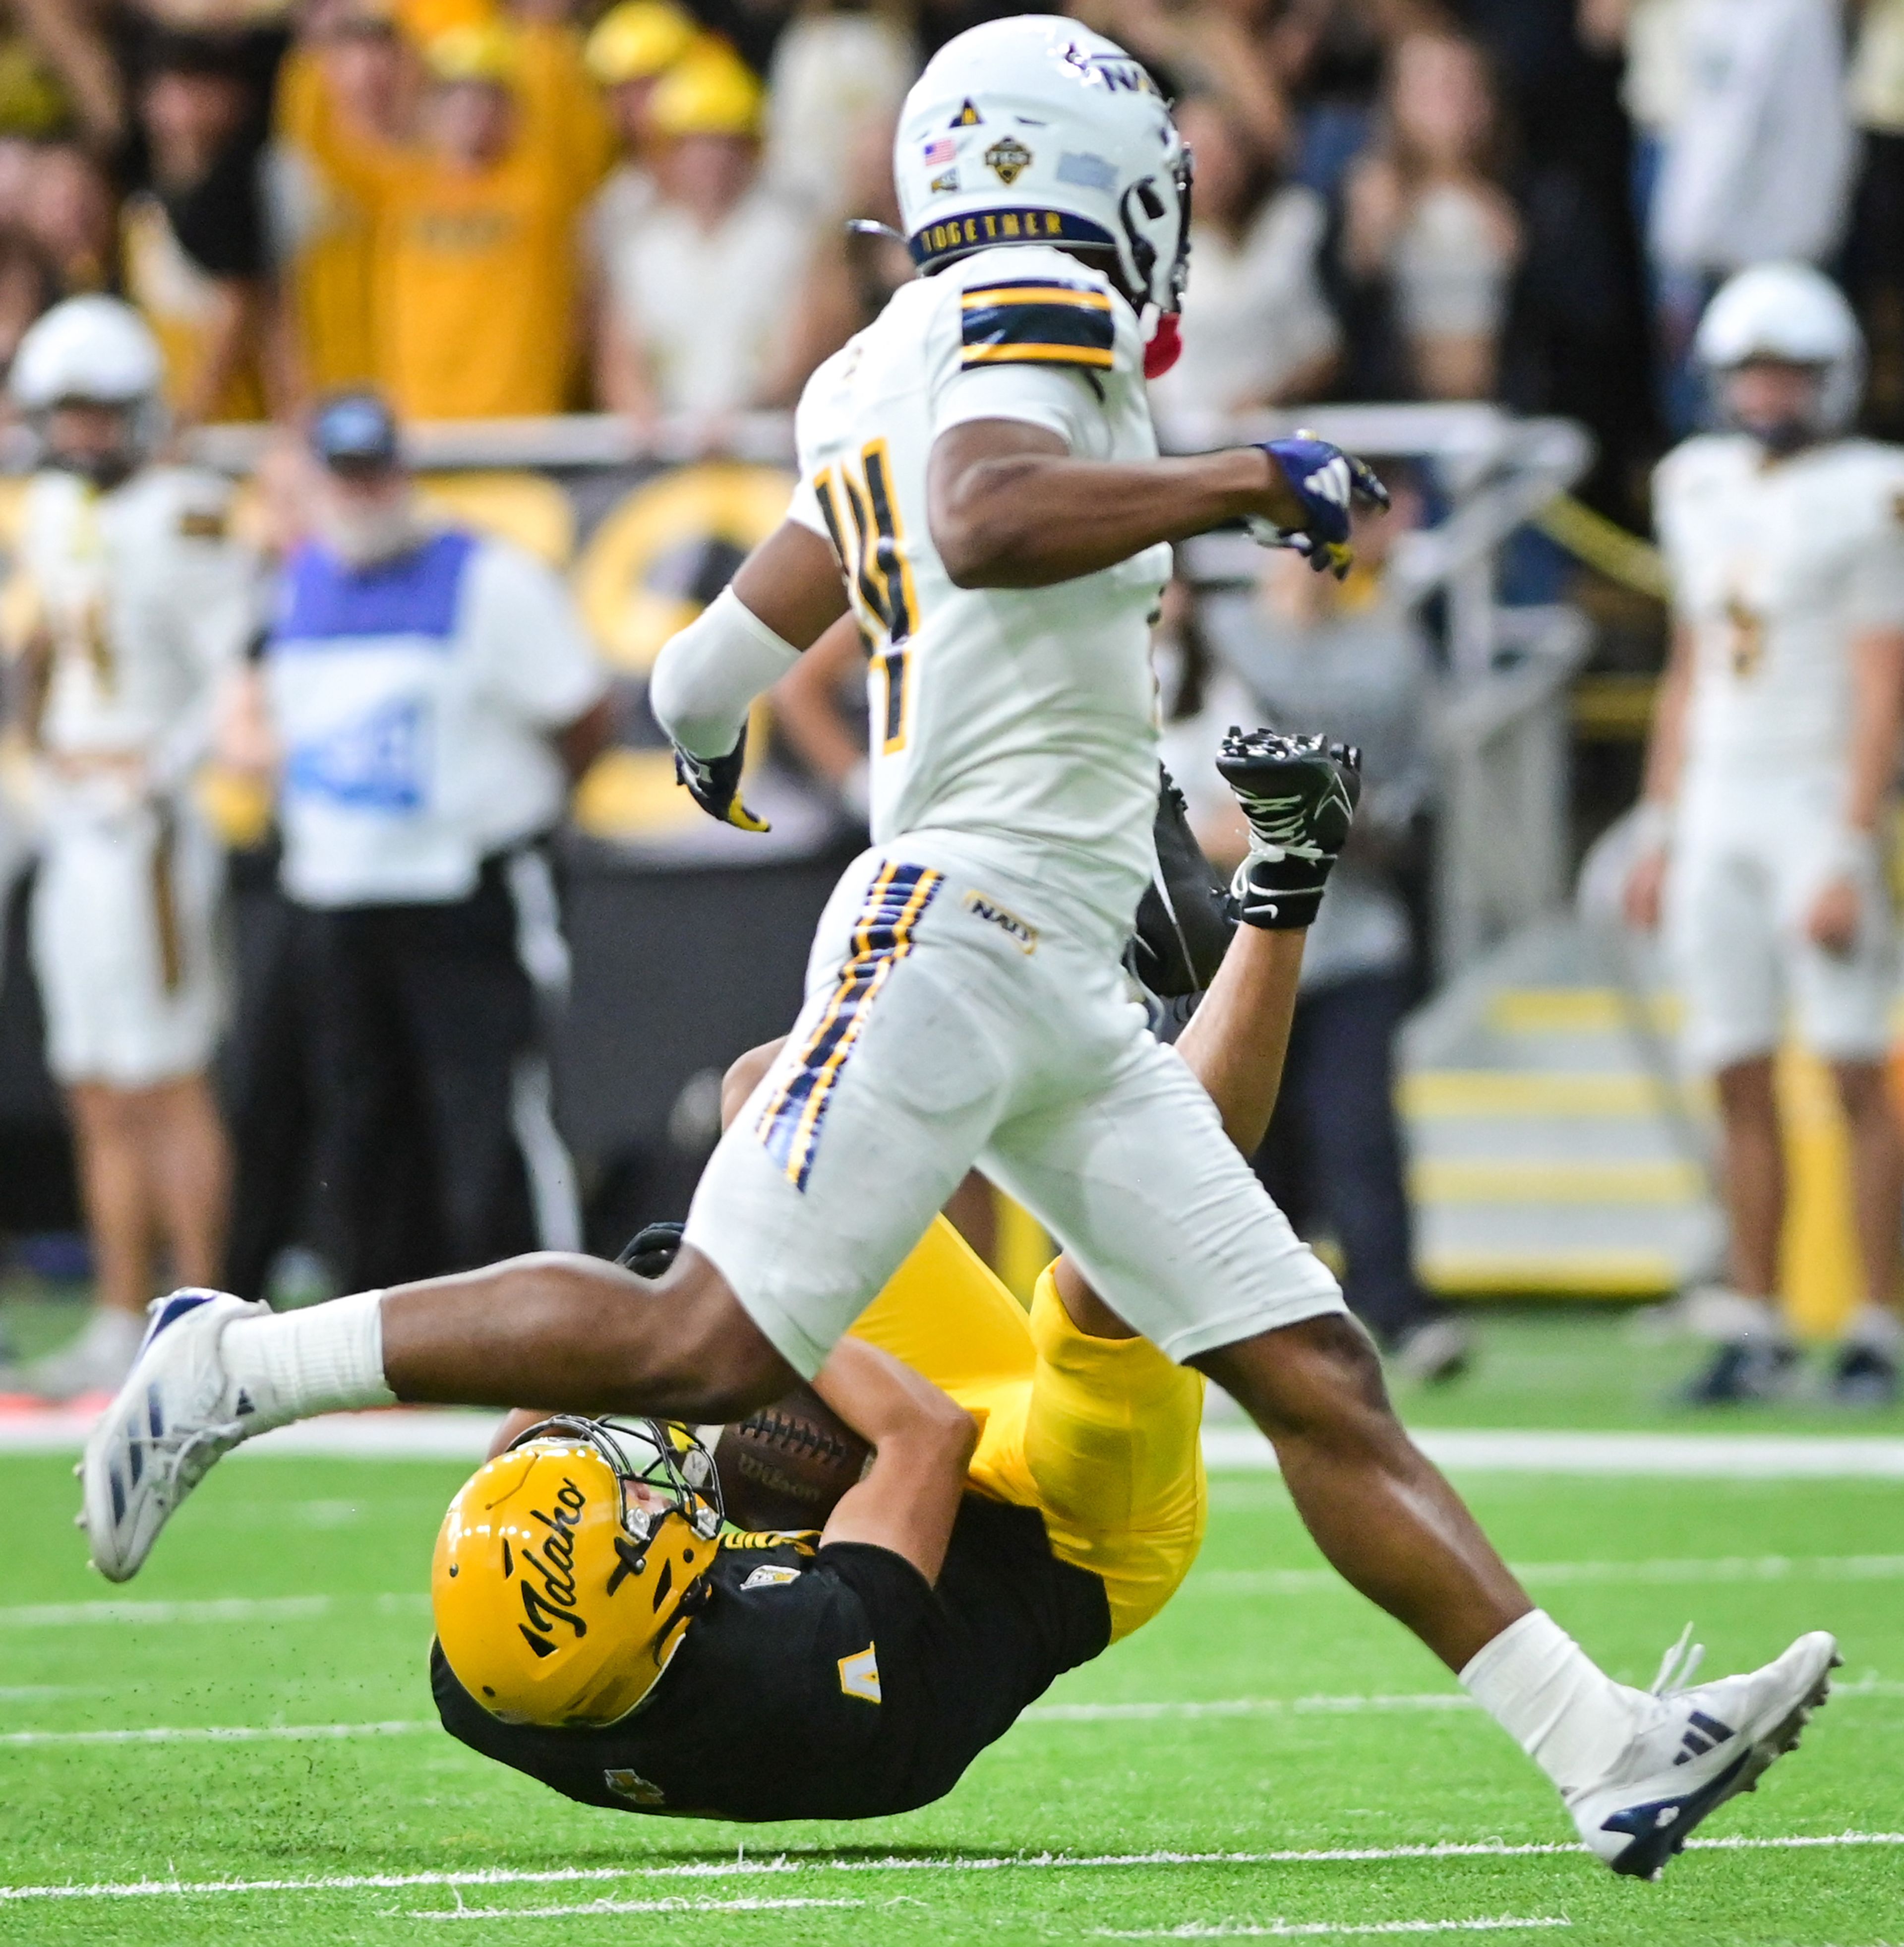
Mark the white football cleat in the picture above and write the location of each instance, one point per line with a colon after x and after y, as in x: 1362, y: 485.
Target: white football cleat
x: 177, y: 1413
x: 1694, y: 1749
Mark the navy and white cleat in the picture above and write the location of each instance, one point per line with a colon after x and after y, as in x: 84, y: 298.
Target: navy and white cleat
x: 1695, y: 1749
x: 177, y: 1413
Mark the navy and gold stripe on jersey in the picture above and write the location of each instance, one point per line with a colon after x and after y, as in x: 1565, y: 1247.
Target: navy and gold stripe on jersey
x: 788, y: 1126
x: 1036, y: 321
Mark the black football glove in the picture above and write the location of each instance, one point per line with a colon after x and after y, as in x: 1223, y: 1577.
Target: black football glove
x: 1329, y: 483
x: 714, y: 783
x: 1183, y: 923
x: 1299, y: 794
x: 651, y: 1250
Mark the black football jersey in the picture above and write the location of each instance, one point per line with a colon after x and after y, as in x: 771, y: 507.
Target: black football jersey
x: 829, y: 1683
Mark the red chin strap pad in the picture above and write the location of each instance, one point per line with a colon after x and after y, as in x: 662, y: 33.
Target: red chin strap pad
x: 1166, y: 346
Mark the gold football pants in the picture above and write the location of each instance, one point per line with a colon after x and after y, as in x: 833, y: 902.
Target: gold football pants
x: 1100, y: 1435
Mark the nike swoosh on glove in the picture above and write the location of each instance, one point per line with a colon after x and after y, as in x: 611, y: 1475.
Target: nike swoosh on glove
x: 1299, y: 795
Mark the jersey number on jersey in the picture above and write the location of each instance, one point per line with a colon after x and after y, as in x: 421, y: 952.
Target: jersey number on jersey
x: 1747, y: 637
x: 862, y: 517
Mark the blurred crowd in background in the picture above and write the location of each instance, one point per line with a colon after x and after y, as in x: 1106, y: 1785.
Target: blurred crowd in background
x: 481, y: 209
x: 502, y: 207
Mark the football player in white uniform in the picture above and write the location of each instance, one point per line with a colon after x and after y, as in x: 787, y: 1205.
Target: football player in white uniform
x: 1774, y: 753
x: 138, y: 604
x: 978, y: 469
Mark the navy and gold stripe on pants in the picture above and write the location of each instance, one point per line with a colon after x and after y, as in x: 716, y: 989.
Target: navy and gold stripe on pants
x: 788, y: 1126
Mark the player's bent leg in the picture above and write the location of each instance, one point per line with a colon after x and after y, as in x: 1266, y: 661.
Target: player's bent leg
x: 945, y: 1313
x: 579, y: 1335
x: 869, y: 1117
x: 1159, y: 1214
x: 1111, y: 1442
x: 1638, y: 1770
x: 1386, y: 1518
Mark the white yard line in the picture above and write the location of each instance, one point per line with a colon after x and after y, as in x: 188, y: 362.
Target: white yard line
x: 675, y: 1905
x: 444, y: 1434
x: 222, y: 1734
x: 1768, y: 1457
x: 401, y: 1433
x: 226, y: 1609
x: 784, y: 1863
x: 1300, y: 1929
x: 217, y: 1609
x: 1173, y: 1709
x: 1673, y: 1569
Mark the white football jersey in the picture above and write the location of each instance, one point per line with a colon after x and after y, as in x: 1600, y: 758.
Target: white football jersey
x: 1775, y: 569
x: 145, y: 601
x: 1023, y: 715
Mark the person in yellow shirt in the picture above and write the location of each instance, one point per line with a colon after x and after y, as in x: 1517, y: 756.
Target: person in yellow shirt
x: 475, y: 260
x: 348, y: 83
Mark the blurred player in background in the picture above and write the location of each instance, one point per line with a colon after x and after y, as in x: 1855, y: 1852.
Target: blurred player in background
x: 1774, y: 757
x: 138, y: 605
x: 435, y: 693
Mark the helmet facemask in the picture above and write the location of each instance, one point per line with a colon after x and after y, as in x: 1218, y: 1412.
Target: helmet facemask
x: 103, y: 466
x: 1784, y: 428
x: 664, y: 1457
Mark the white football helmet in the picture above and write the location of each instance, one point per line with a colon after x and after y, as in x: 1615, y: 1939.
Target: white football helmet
x: 1795, y: 314
x: 1034, y: 129
x: 92, y: 348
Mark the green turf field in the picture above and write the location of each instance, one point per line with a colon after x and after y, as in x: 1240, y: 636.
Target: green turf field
x: 1269, y: 1718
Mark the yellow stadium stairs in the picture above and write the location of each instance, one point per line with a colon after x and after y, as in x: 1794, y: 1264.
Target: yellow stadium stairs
x: 1556, y: 1153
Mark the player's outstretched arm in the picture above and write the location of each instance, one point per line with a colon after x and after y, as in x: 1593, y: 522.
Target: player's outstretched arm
x: 786, y: 595
x: 1299, y: 794
x: 1009, y: 507
x: 922, y: 1442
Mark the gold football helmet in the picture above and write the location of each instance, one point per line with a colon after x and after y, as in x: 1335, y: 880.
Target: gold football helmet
x: 568, y: 1567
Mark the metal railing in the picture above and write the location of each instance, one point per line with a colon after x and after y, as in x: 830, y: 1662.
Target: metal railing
x: 1501, y: 734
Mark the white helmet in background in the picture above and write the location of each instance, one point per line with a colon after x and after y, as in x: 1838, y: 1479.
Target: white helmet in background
x: 1795, y: 314
x: 91, y: 348
x: 1034, y: 129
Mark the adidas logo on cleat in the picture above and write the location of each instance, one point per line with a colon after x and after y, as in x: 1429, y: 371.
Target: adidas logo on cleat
x: 1702, y: 1734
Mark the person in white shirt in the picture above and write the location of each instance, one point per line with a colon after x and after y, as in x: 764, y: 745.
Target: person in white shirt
x: 1428, y: 227
x: 141, y: 605
x: 837, y: 71
x: 627, y: 51
x: 1774, y: 753
x: 1757, y: 167
x: 1257, y: 330
x: 697, y: 282
x: 433, y: 693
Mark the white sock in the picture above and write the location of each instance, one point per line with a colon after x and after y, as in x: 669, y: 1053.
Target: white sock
x: 324, y: 1359
x: 1544, y: 1690
x: 1718, y: 1312
x: 1878, y: 1327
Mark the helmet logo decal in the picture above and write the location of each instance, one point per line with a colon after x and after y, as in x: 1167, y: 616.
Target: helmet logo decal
x: 859, y: 1674
x: 944, y: 185
x: 1118, y: 71
x: 1087, y: 171
x: 557, y: 1600
x: 968, y: 117
x: 1008, y: 159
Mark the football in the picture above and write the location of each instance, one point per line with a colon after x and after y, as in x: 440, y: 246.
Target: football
x: 786, y: 1465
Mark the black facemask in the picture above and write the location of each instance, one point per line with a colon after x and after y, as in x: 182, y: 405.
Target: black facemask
x: 105, y: 471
